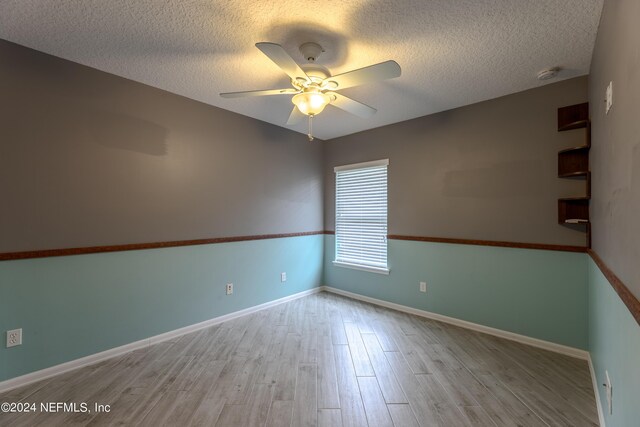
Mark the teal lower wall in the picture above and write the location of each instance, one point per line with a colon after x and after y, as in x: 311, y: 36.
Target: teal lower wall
x: 70, y: 307
x: 614, y: 344
x: 537, y: 293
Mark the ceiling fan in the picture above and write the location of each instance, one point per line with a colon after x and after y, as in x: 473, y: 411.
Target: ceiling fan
x: 313, y: 85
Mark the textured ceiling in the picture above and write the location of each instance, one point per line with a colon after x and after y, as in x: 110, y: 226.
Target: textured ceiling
x: 452, y: 53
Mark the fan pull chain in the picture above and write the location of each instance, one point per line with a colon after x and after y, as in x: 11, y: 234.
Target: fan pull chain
x: 310, y: 134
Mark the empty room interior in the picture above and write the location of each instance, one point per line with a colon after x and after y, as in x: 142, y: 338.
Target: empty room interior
x: 339, y: 213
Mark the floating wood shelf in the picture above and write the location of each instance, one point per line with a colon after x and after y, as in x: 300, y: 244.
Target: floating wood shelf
x: 574, y: 125
x: 576, y: 208
x: 574, y: 163
x: 574, y: 199
x: 573, y: 117
x: 573, y: 174
x: 572, y: 149
x: 576, y: 221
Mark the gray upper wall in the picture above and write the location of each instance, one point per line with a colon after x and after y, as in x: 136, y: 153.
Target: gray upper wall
x: 485, y: 171
x: 88, y: 158
x: 615, y: 152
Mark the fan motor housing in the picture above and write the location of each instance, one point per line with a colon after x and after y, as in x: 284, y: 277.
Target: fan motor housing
x: 316, y: 73
x: 315, y: 70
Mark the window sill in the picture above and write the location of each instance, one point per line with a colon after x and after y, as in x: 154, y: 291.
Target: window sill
x: 377, y: 270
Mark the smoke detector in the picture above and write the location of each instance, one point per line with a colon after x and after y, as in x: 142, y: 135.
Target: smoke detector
x: 548, y: 73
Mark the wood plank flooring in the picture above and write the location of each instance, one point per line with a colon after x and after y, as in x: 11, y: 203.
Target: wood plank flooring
x: 324, y: 360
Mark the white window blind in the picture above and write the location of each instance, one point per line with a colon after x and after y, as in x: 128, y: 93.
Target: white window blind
x: 361, y: 216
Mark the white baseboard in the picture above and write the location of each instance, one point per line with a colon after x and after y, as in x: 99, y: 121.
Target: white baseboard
x: 117, y: 351
x: 594, y: 382
x: 546, y: 345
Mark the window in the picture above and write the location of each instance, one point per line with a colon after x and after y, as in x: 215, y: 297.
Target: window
x: 361, y: 216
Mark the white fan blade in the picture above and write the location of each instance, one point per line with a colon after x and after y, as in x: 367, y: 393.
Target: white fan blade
x: 259, y: 93
x: 372, y: 73
x: 351, y: 106
x: 296, y: 116
x: 277, y: 54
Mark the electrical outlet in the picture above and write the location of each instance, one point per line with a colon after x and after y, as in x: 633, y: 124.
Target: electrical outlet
x: 423, y: 286
x: 609, y: 389
x: 283, y: 277
x: 229, y: 288
x: 609, y: 98
x: 14, y: 337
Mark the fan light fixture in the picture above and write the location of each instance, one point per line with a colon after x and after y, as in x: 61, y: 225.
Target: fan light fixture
x: 311, y: 102
x: 314, y: 87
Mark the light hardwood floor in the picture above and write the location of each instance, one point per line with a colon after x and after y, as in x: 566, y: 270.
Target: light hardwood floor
x: 324, y: 360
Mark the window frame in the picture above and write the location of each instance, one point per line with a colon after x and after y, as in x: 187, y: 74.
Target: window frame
x: 356, y: 266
